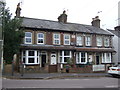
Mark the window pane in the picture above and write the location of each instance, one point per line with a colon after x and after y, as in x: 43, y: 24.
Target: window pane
x: 82, y: 59
x: 23, y: 53
x: 40, y: 35
x: 31, y: 53
x: 56, y: 41
x: 66, y: 59
x: 66, y: 42
x: 40, y: 40
x: 60, y: 53
x: 66, y: 53
x: 31, y: 60
x: 66, y: 36
x: 24, y: 60
x: 28, y: 40
x: 56, y: 36
x: 27, y: 34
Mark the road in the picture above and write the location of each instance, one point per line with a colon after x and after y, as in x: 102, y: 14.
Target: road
x: 101, y: 82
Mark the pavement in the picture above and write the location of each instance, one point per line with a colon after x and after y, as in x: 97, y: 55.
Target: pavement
x: 52, y: 75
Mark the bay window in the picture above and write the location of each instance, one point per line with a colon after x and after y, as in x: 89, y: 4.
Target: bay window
x: 30, y: 57
x: 106, y: 57
x: 81, y: 58
x: 65, y: 56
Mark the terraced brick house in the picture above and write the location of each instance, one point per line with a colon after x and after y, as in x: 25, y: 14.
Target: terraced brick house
x: 50, y: 45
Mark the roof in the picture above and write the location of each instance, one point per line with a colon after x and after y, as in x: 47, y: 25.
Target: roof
x: 115, y: 32
x: 55, y: 25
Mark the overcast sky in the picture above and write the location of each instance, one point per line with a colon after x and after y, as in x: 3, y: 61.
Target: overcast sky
x: 78, y: 11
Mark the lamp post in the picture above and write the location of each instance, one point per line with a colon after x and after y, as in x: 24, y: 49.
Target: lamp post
x: 2, y: 13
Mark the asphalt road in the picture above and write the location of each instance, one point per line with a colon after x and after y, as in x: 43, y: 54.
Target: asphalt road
x: 102, y: 82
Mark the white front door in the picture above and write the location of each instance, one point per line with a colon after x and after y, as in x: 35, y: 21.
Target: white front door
x: 53, y: 59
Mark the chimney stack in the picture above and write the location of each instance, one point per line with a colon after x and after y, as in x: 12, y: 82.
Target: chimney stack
x: 18, y: 9
x: 63, y: 17
x: 96, y: 22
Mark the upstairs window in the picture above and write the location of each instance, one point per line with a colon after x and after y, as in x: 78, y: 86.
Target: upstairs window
x: 99, y: 41
x: 28, y: 38
x: 88, y: 41
x: 106, y: 41
x: 66, y: 39
x: 56, y: 39
x: 40, y: 38
x: 79, y: 41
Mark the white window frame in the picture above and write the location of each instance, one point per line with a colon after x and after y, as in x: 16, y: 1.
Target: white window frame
x: 56, y: 39
x: 106, y: 58
x: 36, y: 57
x: 79, y: 57
x: 88, y: 40
x: 99, y: 41
x: 68, y: 39
x: 106, y: 41
x: 42, y: 38
x: 79, y: 40
x: 63, y: 56
x: 28, y: 38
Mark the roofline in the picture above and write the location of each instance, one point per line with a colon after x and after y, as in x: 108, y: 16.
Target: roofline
x: 60, y: 29
x: 63, y: 30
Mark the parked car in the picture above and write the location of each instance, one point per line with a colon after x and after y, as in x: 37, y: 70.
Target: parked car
x: 114, y: 70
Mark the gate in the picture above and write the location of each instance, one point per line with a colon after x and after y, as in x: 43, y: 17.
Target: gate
x: 52, y: 68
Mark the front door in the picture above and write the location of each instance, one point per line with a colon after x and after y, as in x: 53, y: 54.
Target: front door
x: 53, y: 59
x: 43, y: 61
x: 97, y: 60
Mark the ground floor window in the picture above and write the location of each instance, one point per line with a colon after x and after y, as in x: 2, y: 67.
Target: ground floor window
x: 81, y: 57
x: 30, y: 57
x: 65, y: 56
x: 106, y: 57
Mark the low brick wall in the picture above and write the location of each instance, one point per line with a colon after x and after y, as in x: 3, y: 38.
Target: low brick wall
x: 85, y: 69
x: 7, y: 68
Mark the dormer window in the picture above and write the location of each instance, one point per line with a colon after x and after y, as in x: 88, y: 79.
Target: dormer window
x: 28, y: 38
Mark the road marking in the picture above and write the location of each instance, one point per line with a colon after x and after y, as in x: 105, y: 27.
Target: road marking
x: 112, y: 86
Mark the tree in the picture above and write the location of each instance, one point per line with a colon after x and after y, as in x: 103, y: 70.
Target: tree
x: 12, y: 36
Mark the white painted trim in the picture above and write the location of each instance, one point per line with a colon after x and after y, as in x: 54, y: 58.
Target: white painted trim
x: 29, y: 38
x: 40, y: 38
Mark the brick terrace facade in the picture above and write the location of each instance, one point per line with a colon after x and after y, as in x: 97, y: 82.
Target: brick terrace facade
x: 50, y: 45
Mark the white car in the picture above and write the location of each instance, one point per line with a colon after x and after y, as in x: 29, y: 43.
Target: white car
x: 114, y: 71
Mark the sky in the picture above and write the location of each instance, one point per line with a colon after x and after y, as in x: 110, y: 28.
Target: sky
x: 78, y: 11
